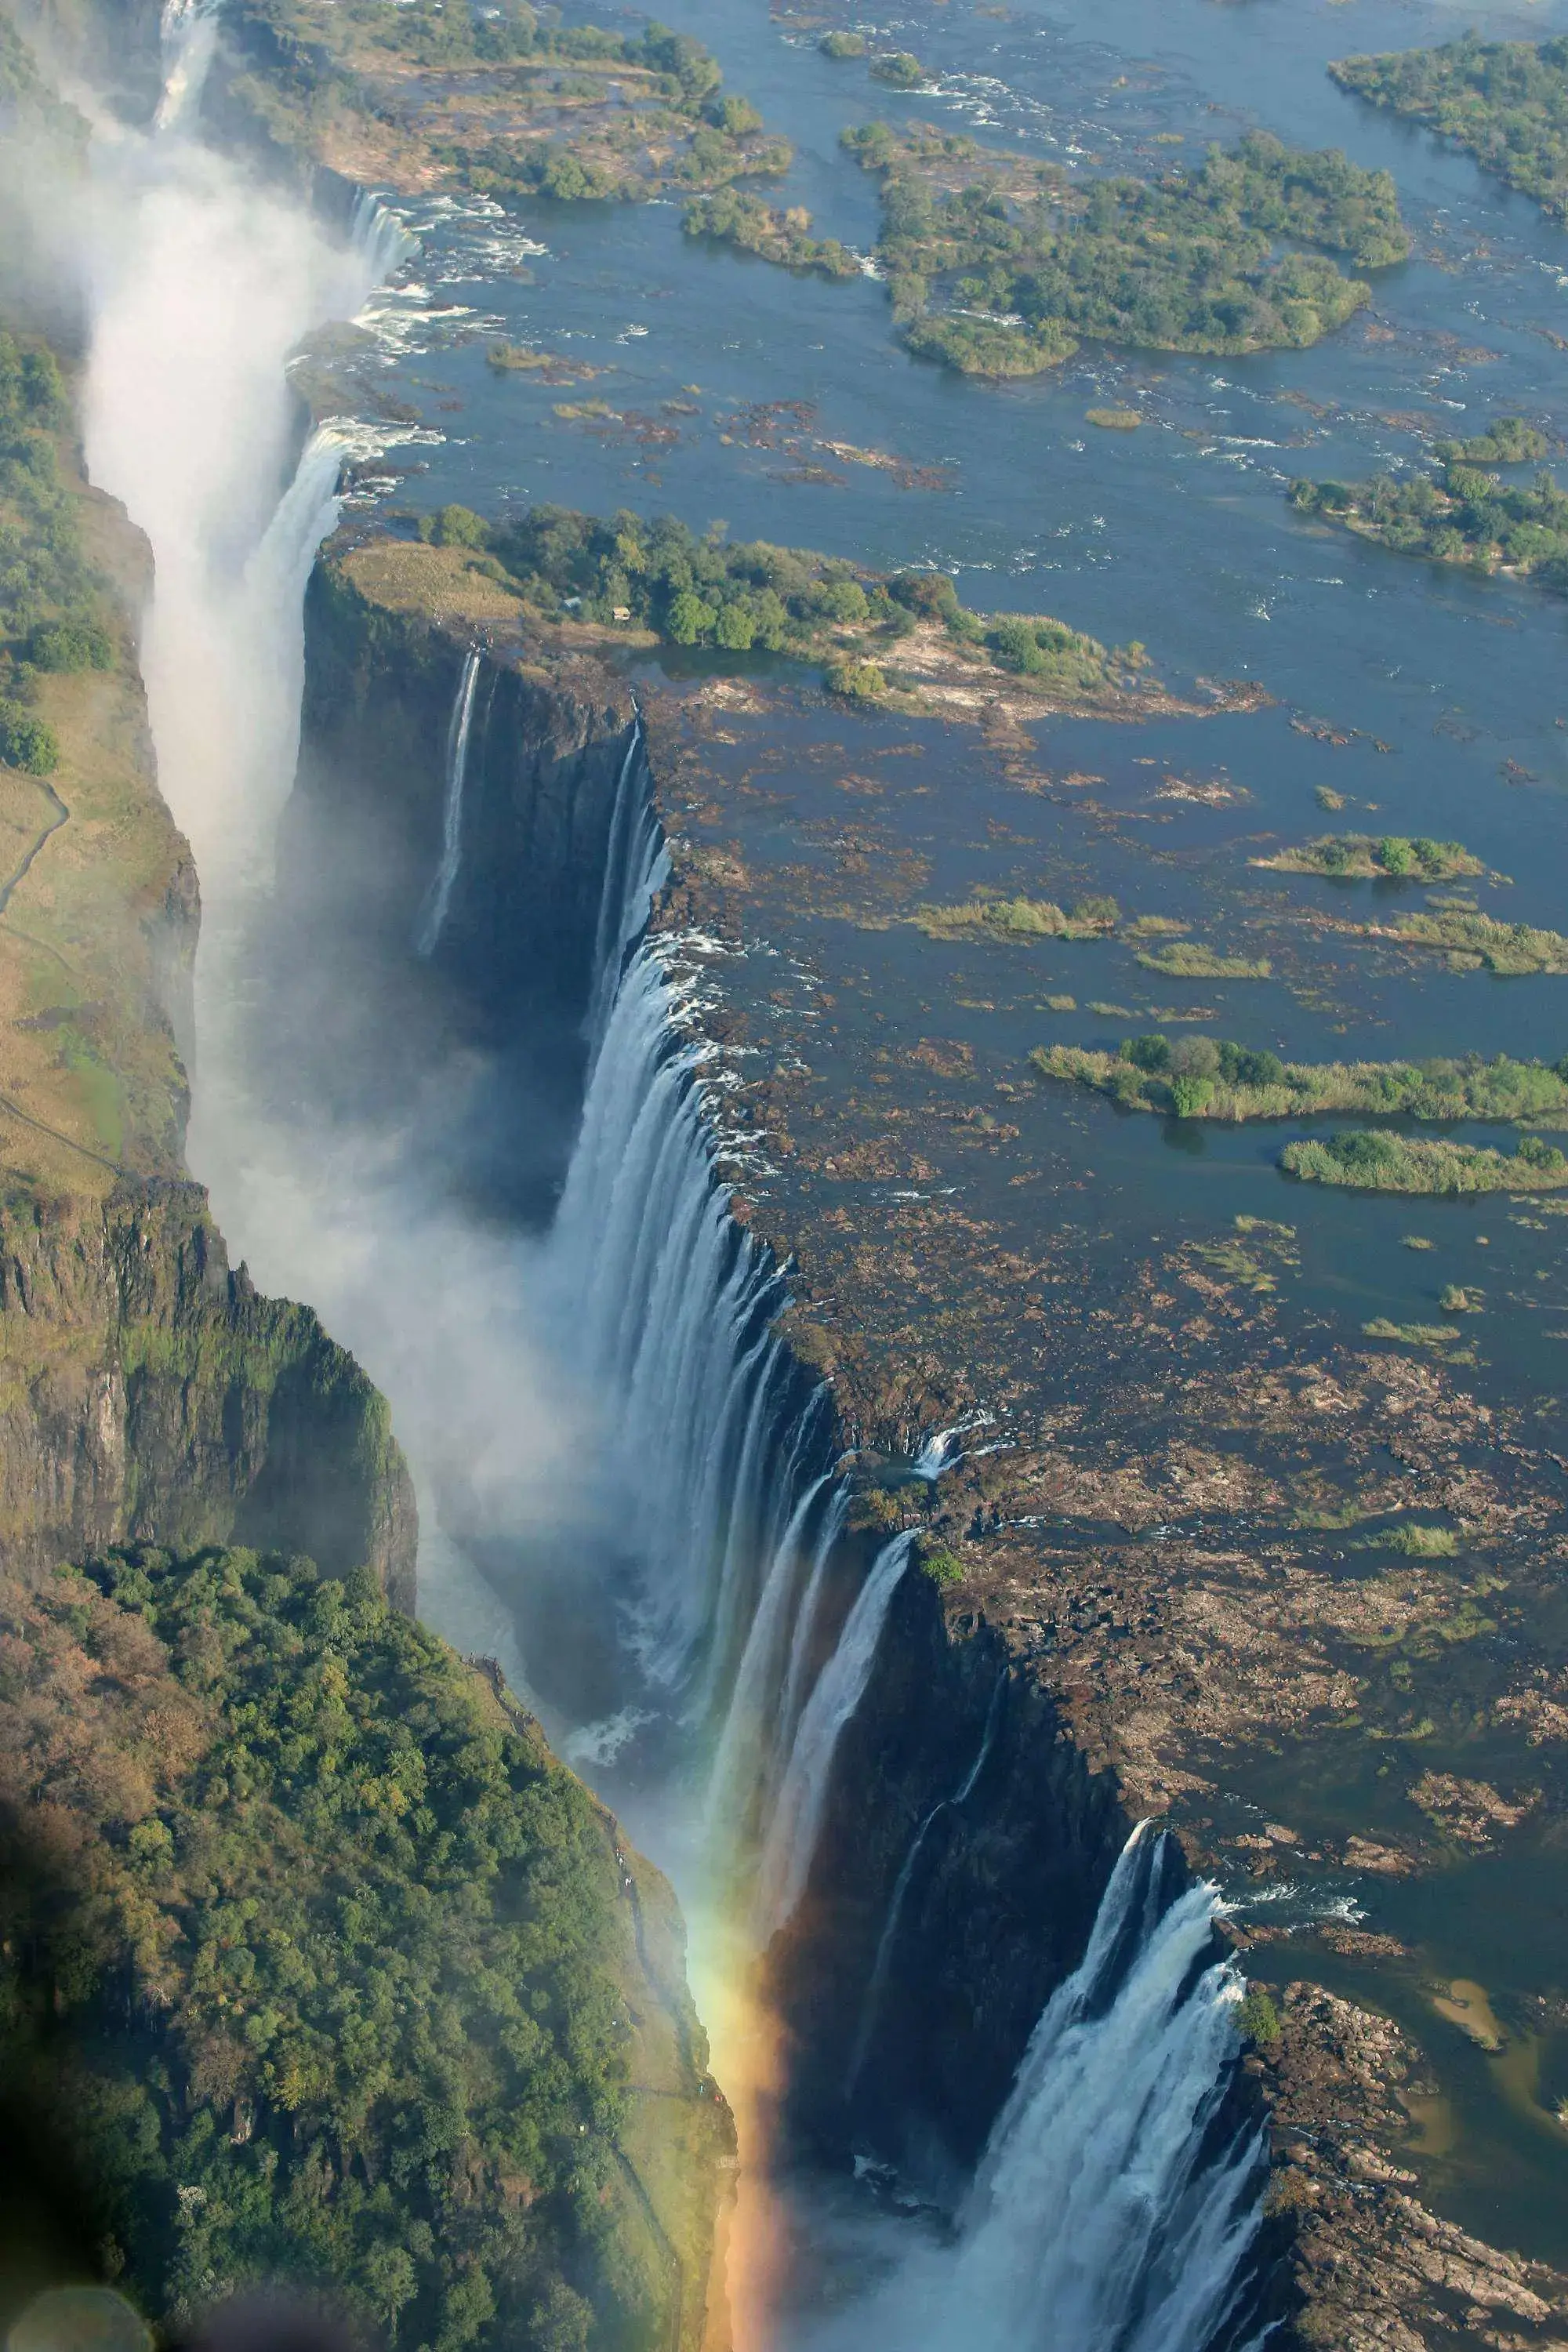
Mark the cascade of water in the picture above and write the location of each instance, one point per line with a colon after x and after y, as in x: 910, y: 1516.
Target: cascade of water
x: 1106, y: 2131
x: 1111, y: 2212
x: 378, y: 237
x: 796, y: 1817
x: 438, y: 897
x: 887, y: 1944
x: 742, y: 1758
x: 666, y: 1304
x: 187, y: 35
x: 636, y: 863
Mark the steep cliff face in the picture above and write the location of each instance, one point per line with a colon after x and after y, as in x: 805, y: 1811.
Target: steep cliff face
x: 146, y: 1392
x: 153, y: 1394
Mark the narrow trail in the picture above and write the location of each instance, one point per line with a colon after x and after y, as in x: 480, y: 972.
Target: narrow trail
x: 62, y: 816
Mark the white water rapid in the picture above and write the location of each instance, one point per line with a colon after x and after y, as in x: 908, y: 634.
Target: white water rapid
x: 438, y: 897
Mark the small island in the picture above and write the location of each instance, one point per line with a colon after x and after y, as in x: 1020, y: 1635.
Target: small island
x: 773, y: 234
x: 1473, y: 941
x: 904, y: 638
x: 1376, y: 1162
x: 1000, y: 266
x: 1359, y: 857
x: 1210, y: 1077
x: 503, y: 104
x: 989, y: 917
x: 1505, y: 102
x: 1463, y: 513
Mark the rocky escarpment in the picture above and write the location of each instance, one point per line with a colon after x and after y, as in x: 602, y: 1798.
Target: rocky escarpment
x: 152, y: 1393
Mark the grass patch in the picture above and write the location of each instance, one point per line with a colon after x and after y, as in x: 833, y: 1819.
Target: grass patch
x: 1472, y: 940
x: 1415, y: 1335
x: 1115, y: 420
x: 1379, y: 1162
x: 1357, y: 855
x: 1018, y: 919
x: 1417, y: 1542
x: 1187, y: 959
x: 1246, y: 1084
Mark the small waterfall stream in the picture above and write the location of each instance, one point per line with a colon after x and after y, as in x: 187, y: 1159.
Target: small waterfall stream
x: 438, y: 897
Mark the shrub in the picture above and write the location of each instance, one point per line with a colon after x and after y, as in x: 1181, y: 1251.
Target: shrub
x: 930, y: 593
x: 1190, y: 1096
x: 843, y: 45
x: 862, y: 681
x: 1240, y: 1067
x: 689, y: 618
x: 734, y: 116
x: 28, y: 743
x: 1257, y: 2018
x: 944, y: 1567
x: 900, y: 70
x: 845, y: 599
x: 1152, y: 1053
x: 454, y: 527
x: 735, y: 629
x: 1195, y: 1057
x: 74, y: 643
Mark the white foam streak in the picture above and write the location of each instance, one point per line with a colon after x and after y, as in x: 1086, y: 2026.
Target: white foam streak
x: 796, y: 1823
x: 433, y: 914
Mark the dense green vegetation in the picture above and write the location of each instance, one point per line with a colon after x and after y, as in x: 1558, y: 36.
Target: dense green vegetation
x: 1359, y: 856
x: 900, y: 68
x: 1379, y: 1162
x: 1473, y: 940
x: 1209, y: 1077
x: 1506, y: 101
x: 309, y: 1953
x: 50, y: 612
x: 1004, y: 272
x: 843, y: 45
x: 753, y: 596
x: 596, y: 104
x: 1462, y: 514
x: 761, y: 228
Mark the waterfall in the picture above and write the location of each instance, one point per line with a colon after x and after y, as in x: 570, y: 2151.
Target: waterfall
x: 887, y: 1944
x: 438, y: 897
x: 378, y: 237
x: 187, y: 35
x: 636, y: 863
x: 665, y: 1307
x: 1105, y: 2139
x: 742, y: 1761
x: 1112, y: 2210
x: 797, y: 1820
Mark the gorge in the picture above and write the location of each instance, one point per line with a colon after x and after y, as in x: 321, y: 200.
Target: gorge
x: 875, y: 1609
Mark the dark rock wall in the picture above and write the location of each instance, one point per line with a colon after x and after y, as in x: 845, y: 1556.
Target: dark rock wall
x: 997, y: 1910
